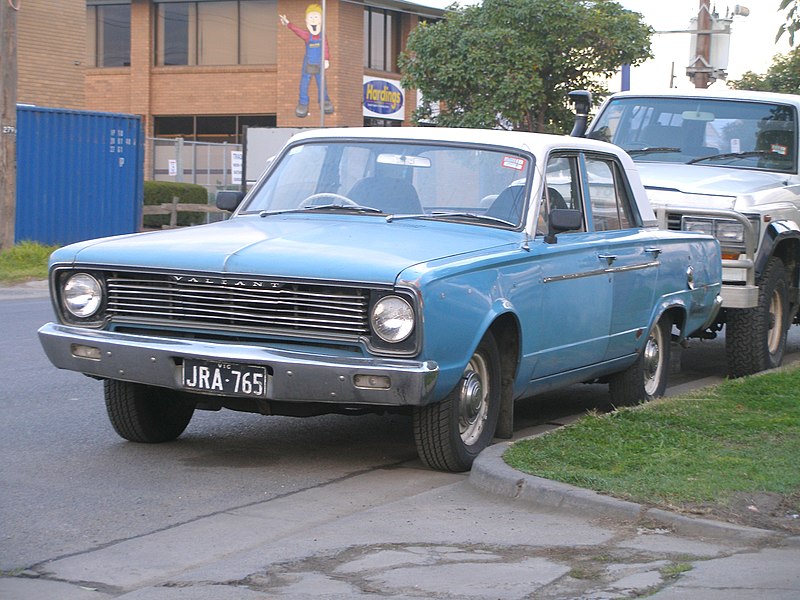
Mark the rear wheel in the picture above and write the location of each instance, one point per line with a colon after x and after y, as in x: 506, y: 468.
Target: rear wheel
x: 143, y: 413
x: 647, y: 377
x: 755, y: 338
x: 451, y: 433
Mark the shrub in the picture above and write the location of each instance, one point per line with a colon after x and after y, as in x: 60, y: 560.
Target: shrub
x: 158, y: 192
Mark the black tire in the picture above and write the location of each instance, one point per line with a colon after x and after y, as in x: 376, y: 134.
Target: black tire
x: 755, y: 338
x: 143, y: 413
x: 647, y: 377
x: 451, y: 433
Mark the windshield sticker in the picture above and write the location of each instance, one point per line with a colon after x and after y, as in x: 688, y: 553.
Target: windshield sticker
x: 514, y: 162
x: 779, y: 149
x: 736, y: 145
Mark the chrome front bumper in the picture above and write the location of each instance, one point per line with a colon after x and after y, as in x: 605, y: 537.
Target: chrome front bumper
x: 294, y: 376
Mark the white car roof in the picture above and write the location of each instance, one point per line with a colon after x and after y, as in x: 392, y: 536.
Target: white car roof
x: 530, y: 142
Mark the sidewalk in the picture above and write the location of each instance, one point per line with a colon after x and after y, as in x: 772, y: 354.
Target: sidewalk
x: 424, y: 534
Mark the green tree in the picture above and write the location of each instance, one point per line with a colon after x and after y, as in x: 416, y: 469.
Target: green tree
x: 783, y: 76
x: 511, y: 63
x: 792, y: 25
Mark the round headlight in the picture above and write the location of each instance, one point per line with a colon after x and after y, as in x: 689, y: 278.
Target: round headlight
x: 392, y: 319
x: 82, y: 295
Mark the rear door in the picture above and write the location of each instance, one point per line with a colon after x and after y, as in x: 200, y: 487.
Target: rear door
x: 630, y: 253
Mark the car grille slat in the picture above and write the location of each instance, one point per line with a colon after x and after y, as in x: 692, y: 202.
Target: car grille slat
x: 674, y: 221
x: 291, y: 308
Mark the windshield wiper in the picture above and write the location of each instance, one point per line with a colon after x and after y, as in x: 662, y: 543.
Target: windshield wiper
x: 346, y: 207
x: 351, y: 208
x: 730, y: 155
x: 637, y: 151
x: 469, y: 215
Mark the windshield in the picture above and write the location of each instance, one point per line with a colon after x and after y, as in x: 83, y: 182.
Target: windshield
x: 750, y: 135
x: 472, y: 184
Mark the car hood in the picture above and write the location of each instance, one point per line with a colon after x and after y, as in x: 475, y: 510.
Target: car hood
x: 706, y: 181
x: 322, y: 246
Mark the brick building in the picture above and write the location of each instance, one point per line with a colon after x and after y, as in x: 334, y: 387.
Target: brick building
x: 51, y: 52
x: 204, y: 69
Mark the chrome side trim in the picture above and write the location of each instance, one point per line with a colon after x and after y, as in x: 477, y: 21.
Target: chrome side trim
x: 570, y: 276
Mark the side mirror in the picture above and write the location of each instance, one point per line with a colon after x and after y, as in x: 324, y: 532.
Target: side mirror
x: 228, y: 200
x: 562, y: 219
x: 583, y: 102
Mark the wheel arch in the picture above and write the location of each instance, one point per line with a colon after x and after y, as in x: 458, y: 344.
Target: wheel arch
x: 507, y: 333
x: 676, y: 313
x: 781, y: 239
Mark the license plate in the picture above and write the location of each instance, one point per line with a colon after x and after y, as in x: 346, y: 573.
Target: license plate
x: 225, y: 379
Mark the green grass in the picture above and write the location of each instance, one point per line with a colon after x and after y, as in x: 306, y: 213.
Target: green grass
x: 742, y: 436
x: 23, y: 262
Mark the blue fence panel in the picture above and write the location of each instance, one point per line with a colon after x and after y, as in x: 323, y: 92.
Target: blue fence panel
x: 80, y: 175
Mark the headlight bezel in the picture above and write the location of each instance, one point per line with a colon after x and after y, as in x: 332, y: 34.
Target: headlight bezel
x: 729, y: 233
x: 86, y: 283
x: 405, y: 344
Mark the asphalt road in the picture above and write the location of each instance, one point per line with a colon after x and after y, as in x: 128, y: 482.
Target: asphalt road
x: 68, y: 484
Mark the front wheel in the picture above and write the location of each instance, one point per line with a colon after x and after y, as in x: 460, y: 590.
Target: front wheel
x: 143, y: 413
x: 451, y: 433
x: 647, y: 377
x: 755, y: 338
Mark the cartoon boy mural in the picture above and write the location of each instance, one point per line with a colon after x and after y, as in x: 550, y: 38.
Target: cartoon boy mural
x: 312, y: 61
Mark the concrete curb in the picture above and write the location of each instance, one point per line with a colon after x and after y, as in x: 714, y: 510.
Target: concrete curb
x: 29, y: 289
x: 490, y: 473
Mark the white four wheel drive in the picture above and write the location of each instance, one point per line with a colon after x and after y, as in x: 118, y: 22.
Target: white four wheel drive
x: 724, y: 163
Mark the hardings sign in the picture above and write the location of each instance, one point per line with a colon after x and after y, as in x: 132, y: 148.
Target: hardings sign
x: 383, y: 99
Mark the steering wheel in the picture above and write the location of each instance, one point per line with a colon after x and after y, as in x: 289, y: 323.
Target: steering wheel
x: 313, y: 198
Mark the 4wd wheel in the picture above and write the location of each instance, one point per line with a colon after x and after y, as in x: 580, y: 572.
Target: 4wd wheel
x: 143, y: 413
x: 451, y: 433
x: 647, y: 377
x: 755, y: 338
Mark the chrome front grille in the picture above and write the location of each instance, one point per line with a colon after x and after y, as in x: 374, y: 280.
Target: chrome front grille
x: 238, y: 305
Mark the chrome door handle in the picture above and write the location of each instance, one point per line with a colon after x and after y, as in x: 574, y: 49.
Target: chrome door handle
x: 655, y: 251
x: 609, y: 258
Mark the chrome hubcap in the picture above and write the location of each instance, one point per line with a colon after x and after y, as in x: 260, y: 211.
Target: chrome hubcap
x: 472, y: 401
x: 775, y: 323
x: 652, y: 361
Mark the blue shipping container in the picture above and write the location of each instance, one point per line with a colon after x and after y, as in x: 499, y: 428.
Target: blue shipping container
x: 79, y: 175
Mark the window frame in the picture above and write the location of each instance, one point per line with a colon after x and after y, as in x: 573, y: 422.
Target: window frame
x: 390, y: 41
x: 94, y: 39
x: 193, y: 50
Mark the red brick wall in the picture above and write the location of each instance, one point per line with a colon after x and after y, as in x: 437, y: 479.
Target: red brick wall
x: 51, y: 52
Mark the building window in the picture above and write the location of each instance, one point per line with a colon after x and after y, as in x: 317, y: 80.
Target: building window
x: 217, y: 128
x: 109, y: 35
x: 231, y: 32
x: 381, y: 39
x: 373, y: 122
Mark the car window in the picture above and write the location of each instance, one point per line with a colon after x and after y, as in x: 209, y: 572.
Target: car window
x: 755, y: 135
x: 468, y: 183
x: 561, y: 188
x: 608, y: 196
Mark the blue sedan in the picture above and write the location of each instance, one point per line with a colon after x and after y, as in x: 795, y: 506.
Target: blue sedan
x: 445, y: 273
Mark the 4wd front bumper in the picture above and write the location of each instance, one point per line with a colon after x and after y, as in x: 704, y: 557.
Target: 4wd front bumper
x: 739, y: 289
x: 293, y: 376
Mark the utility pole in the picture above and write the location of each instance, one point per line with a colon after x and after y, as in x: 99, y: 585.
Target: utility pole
x: 8, y: 122
x: 702, y: 75
x: 700, y: 71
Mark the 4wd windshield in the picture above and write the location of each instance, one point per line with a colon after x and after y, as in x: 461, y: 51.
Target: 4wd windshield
x: 471, y: 184
x: 730, y: 133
